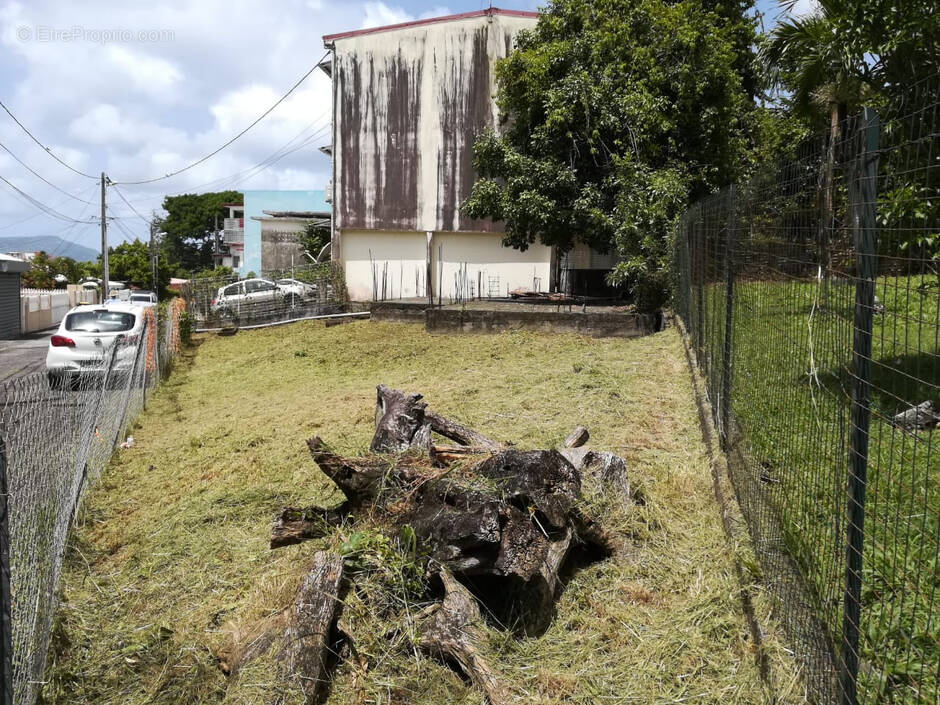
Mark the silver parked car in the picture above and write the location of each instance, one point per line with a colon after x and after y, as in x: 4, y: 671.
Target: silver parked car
x: 251, y: 295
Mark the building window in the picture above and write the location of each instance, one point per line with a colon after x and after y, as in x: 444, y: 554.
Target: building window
x: 235, y: 262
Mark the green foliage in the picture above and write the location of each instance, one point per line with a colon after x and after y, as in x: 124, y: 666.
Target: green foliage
x: 214, y: 273
x: 617, y: 112
x: 397, y: 562
x: 187, y: 320
x: 40, y: 273
x: 850, y: 51
x: 314, y: 238
x: 130, y: 261
x: 44, y: 269
x: 190, y: 226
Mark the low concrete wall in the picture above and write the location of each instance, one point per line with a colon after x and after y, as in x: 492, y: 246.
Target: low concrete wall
x: 398, y: 312
x: 598, y: 325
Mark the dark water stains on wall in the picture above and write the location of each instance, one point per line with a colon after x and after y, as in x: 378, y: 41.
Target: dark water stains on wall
x: 410, y: 104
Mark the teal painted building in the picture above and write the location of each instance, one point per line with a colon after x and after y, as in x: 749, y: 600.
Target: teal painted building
x: 258, y: 205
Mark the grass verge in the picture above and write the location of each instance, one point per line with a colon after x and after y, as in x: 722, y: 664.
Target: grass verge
x: 170, y: 557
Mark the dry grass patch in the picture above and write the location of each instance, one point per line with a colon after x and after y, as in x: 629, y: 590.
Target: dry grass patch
x: 170, y: 560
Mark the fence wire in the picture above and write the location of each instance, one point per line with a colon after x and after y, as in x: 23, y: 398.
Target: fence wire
x: 57, y: 437
x: 278, y: 295
x: 811, y: 296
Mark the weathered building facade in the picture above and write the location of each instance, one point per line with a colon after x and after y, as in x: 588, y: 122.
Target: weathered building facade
x: 409, y: 101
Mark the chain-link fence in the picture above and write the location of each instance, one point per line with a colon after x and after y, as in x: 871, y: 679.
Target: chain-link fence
x: 278, y: 295
x: 811, y: 296
x: 56, y: 436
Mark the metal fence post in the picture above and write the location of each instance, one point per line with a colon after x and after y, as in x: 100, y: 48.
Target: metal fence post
x: 6, y: 622
x: 863, y: 196
x: 729, y: 314
x: 141, y: 345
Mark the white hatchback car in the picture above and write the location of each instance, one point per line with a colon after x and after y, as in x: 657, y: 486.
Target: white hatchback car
x: 85, y: 336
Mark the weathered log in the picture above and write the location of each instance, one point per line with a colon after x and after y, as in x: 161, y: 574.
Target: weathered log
x: 542, y: 479
x: 590, y: 533
x: 445, y: 455
x: 917, y: 417
x: 450, y: 634
x: 577, y: 438
x: 457, y: 432
x: 294, y: 525
x: 399, y: 422
x: 610, y: 469
x: 360, y: 479
x: 305, y: 656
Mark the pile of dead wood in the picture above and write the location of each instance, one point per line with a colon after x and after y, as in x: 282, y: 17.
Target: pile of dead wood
x: 496, y: 526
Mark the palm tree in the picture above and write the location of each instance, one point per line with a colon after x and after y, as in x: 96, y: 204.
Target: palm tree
x: 818, y: 62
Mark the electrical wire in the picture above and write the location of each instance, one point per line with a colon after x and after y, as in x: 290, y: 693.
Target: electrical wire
x: 219, y: 149
x: 128, y: 204
x: 39, y: 213
x: 39, y: 176
x: 40, y: 205
x: 45, y: 148
x: 263, y: 165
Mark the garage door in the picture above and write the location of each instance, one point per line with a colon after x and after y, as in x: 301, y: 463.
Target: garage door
x: 9, y: 306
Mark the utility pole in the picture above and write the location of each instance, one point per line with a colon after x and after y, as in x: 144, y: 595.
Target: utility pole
x: 216, y: 255
x: 153, y: 256
x: 105, y: 274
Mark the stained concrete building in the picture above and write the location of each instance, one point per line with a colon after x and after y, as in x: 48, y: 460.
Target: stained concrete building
x: 409, y: 101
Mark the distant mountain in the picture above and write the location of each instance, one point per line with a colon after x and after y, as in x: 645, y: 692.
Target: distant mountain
x: 54, y: 246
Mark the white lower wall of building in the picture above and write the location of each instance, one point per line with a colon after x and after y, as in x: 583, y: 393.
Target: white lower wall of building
x: 469, y: 265
x: 393, y: 265
x: 381, y: 264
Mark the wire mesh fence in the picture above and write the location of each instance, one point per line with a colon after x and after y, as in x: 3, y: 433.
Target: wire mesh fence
x: 56, y: 437
x: 811, y: 296
x: 279, y: 295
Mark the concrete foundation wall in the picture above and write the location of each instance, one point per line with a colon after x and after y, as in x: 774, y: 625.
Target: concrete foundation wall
x: 598, y: 325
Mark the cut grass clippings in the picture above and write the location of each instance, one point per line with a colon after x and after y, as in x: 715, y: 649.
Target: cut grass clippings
x: 170, y: 561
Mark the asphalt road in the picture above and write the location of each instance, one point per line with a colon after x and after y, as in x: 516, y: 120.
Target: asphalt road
x: 24, y: 356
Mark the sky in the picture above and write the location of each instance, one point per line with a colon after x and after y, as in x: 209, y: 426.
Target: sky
x: 141, y: 89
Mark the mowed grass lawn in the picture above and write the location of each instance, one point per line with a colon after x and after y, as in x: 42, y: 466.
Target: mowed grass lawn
x: 170, y: 556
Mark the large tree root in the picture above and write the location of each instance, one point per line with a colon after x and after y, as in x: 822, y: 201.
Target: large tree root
x: 493, y: 521
x: 451, y: 633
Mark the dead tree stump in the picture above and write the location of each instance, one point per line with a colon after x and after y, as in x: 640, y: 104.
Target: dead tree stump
x: 305, y: 656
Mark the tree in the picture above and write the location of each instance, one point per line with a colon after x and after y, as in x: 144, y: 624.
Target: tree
x: 40, y: 273
x: 849, y: 52
x: 130, y: 261
x: 615, y: 114
x: 72, y: 271
x: 190, y: 228
x: 314, y: 237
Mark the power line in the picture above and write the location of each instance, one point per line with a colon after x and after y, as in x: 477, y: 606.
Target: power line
x: 39, y: 176
x: 128, y: 204
x: 266, y: 163
x: 40, y: 205
x: 38, y: 213
x: 45, y: 148
x: 216, y: 151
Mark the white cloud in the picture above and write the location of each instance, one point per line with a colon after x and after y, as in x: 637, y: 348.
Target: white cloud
x: 803, y: 8
x: 107, y: 100
x: 378, y: 14
x: 153, y: 76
